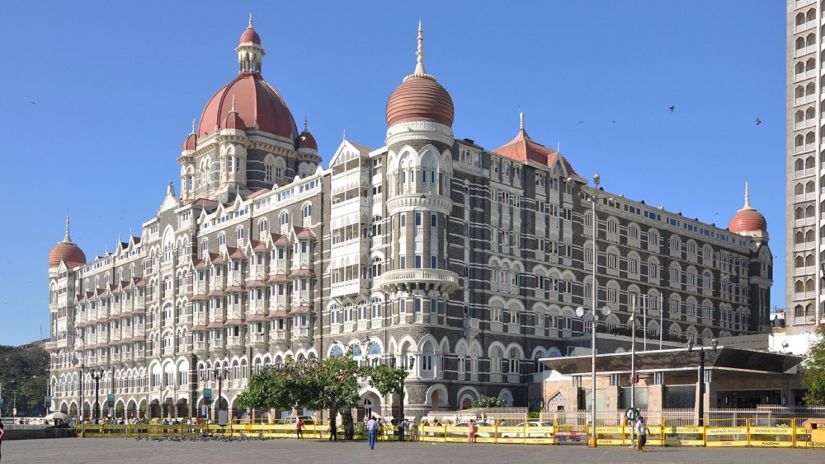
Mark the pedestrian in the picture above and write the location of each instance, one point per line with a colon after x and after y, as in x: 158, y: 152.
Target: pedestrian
x: 333, y: 429
x: 471, y: 431
x: 299, y: 428
x: 641, y: 433
x: 2, y: 432
x: 372, y: 430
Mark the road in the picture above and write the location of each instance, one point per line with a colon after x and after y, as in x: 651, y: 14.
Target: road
x: 129, y: 451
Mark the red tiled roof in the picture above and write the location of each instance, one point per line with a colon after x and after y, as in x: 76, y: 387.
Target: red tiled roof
x: 301, y: 310
x: 280, y: 278
x: 301, y: 273
x: 278, y: 313
x: 420, y: 98
x: 522, y: 148
x: 304, y: 232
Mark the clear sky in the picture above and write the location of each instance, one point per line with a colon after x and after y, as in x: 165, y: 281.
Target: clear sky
x: 97, y: 98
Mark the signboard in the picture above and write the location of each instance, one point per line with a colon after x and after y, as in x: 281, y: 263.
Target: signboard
x: 223, y: 418
x: 207, y: 395
x: 203, y: 411
x: 47, y: 400
x: 632, y: 414
x: 2, y: 402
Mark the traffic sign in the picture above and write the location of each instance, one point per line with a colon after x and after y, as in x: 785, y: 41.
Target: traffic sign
x: 207, y: 395
x: 632, y: 414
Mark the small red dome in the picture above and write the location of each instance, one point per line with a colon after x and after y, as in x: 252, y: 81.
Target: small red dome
x: 420, y: 98
x: 306, y: 140
x: 257, y: 103
x: 249, y: 35
x: 67, y: 252
x: 191, y: 142
x: 748, y: 220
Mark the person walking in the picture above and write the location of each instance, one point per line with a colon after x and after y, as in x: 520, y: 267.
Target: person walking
x: 471, y: 431
x: 299, y: 428
x: 333, y: 429
x: 2, y: 432
x: 641, y: 433
x: 372, y: 430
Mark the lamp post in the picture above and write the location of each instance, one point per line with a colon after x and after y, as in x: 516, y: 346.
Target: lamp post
x: 97, y: 374
x: 593, y: 199
x: 632, y: 321
x: 220, y: 374
x: 701, y: 352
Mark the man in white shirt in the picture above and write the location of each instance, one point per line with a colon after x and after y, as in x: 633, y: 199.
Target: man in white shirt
x: 372, y: 430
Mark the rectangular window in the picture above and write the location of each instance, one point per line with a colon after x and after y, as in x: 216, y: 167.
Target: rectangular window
x: 417, y: 219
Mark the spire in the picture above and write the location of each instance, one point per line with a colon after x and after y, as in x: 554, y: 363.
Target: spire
x: 521, y: 120
x: 67, y: 238
x: 345, y: 134
x: 747, y: 197
x: 193, y: 126
x: 419, y: 65
x: 249, y: 25
x: 306, y: 125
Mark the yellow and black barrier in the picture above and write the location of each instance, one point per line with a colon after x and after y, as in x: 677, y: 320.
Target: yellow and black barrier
x: 774, y: 433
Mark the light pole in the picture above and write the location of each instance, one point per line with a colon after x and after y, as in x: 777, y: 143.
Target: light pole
x: 632, y: 321
x: 220, y: 374
x: 701, y: 351
x: 97, y: 374
x: 595, y: 287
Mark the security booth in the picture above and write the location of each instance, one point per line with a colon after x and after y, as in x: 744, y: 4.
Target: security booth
x: 668, y: 380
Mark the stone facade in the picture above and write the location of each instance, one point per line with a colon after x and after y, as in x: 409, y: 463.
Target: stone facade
x: 462, y: 264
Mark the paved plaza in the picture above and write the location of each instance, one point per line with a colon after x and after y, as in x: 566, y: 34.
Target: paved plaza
x: 128, y: 451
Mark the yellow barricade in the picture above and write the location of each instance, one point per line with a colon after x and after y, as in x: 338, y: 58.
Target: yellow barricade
x: 542, y: 435
x: 612, y: 435
x: 726, y: 436
x: 570, y: 433
x: 683, y: 435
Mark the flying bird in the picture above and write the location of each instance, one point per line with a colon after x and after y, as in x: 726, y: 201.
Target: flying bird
x: 581, y: 122
x: 672, y: 108
x: 758, y: 121
x: 32, y: 102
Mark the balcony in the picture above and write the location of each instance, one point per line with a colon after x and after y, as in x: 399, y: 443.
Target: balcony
x: 200, y: 287
x: 235, y: 344
x: 257, y: 272
x: 406, y: 279
x: 201, y: 348
x: 302, y: 261
x: 258, y: 339
x: 806, y: 270
x: 280, y: 267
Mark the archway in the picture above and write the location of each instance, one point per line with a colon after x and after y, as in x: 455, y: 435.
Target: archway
x: 131, y: 409
x: 182, y: 407
x: 369, y: 406
x: 154, y: 409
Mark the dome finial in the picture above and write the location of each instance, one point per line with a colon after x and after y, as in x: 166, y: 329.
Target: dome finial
x: 306, y: 124
x: 249, y: 25
x: 345, y: 134
x: 232, y: 109
x: 521, y: 120
x: 747, y: 196
x: 419, y: 65
x: 67, y: 238
x: 193, y: 126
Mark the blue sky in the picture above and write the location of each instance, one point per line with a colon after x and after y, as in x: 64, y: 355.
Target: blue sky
x: 115, y: 86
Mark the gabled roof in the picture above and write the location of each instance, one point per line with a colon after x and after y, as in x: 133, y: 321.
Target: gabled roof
x: 524, y: 149
x: 346, y: 144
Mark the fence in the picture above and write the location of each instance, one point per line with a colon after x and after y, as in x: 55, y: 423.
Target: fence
x: 234, y: 430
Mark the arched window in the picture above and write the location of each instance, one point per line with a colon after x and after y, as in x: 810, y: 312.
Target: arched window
x: 221, y: 239
x: 285, y: 218
x: 263, y: 226
x: 239, y: 233
x: 307, y: 211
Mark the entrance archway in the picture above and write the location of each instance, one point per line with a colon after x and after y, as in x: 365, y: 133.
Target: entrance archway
x: 368, y: 406
x: 154, y: 409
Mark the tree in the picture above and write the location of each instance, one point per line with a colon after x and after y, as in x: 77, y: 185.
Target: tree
x: 489, y: 402
x: 24, y: 371
x: 814, y: 373
x: 387, y: 379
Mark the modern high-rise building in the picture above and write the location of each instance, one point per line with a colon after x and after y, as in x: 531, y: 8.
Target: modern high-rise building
x: 461, y: 264
x: 804, y: 257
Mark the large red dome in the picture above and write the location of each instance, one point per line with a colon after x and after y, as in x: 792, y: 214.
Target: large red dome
x: 420, y: 98
x: 748, y: 220
x: 67, y: 252
x: 257, y: 103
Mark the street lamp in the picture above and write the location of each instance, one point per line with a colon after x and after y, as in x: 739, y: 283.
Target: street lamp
x: 221, y: 374
x: 594, y: 198
x: 97, y: 374
x: 701, y: 351
x: 632, y: 321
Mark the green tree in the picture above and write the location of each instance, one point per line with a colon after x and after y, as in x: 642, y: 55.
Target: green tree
x: 387, y: 379
x: 24, y: 371
x: 814, y: 373
x: 489, y: 402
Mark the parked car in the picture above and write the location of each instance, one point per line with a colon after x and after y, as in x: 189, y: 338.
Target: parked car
x: 292, y: 420
x: 531, y: 434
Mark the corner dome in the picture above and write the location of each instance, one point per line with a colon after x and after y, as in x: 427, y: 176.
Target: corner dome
x: 66, y: 251
x: 191, y: 142
x: 747, y: 219
x: 420, y: 97
x: 249, y: 35
x: 306, y: 140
